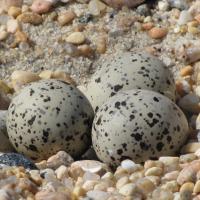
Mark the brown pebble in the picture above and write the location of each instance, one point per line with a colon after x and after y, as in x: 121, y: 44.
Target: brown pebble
x: 158, y: 33
x: 187, y: 70
x: 101, y: 45
x: 30, y: 17
x: 85, y: 50
x: 66, y: 17
x: 14, y: 11
x: 147, y: 26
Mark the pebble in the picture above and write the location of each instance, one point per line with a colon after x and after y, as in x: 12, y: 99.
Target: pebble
x: 145, y: 186
x: 143, y: 10
x: 85, y: 50
x: 30, y: 17
x: 162, y: 194
x: 62, y: 172
x: 14, y: 11
x: 158, y: 33
x: 184, y: 17
x: 61, y: 158
x: 186, y: 190
x: 13, y: 25
x: 163, y: 5
x: 170, y: 176
x: 193, y: 54
x: 171, y: 186
x: 187, y: 158
x: 3, y: 35
x: 197, y: 187
x: 187, y: 70
x: 190, y: 147
x: 48, y: 195
x: 101, y: 45
x: 154, y: 171
x: 183, y: 87
x: 190, y: 103
x: 153, y: 163
x: 96, y: 7
x: 20, y: 78
x: 66, y: 17
x: 130, y: 166
x: 15, y: 159
x: 170, y: 163
x: 122, y: 181
x: 188, y: 173
x: 128, y: 189
x: 76, y: 38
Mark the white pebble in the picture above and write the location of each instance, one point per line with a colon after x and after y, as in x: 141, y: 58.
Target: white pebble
x: 184, y: 17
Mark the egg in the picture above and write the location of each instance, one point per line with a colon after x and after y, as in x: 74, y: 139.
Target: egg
x: 126, y: 71
x: 48, y: 116
x: 138, y: 125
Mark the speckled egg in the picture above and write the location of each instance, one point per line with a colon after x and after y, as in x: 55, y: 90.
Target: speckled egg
x: 138, y: 125
x: 48, y: 116
x: 126, y: 71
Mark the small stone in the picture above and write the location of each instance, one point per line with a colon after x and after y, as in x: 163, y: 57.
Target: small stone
x: 78, y: 192
x: 154, y: 171
x: 186, y: 190
x: 188, y: 173
x: 158, y: 33
x: 163, y: 5
x: 162, y: 194
x: 143, y: 10
x: 170, y: 163
x: 184, y: 17
x: 20, y: 37
x: 13, y: 25
x: 47, y: 74
x: 171, y: 186
x: 76, y: 38
x: 62, y: 172
x: 136, y: 175
x: 153, y: 163
x: 98, y: 195
x: 85, y: 50
x: 96, y: 7
x: 130, y: 166
x: 3, y: 35
x: 47, y: 195
x: 191, y: 147
x: 42, y: 164
x: 190, y: 103
x: 14, y: 11
x: 187, y: 158
x: 101, y: 45
x: 35, y: 177
x: 30, y: 17
x: 193, y: 54
x: 128, y: 189
x: 20, y: 78
x: 66, y: 17
x: 6, y: 4
x: 145, y: 186
x: 154, y: 179
x: 170, y: 176
x: 61, y: 158
x: 91, y: 166
x: 183, y: 87
x: 197, y: 187
x: 88, y: 176
x: 187, y: 70
x: 147, y: 26
x: 63, y: 76
x: 122, y: 181
x: 76, y: 171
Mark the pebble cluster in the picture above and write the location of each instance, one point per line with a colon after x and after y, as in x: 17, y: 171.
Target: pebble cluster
x: 144, y: 142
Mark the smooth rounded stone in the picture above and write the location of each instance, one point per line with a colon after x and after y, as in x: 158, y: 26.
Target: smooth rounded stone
x: 184, y: 17
x: 66, y: 17
x: 62, y: 172
x: 13, y: 25
x: 136, y: 175
x: 54, y: 111
x: 30, y: 17
x: 14, y: 11
x: 122, y: 181
x: 190, y: 103
x: 162, y: 194
x: 190, y: 147
x: 15, y: 159
x: 145, y: 186
x: 6, y: 4
x: 171, y: 186
x: 131, y: 112
x: 91, y: 166
x: 197, y: 187
x: 117, y: 72
x: 170, y: 176
x: 5, y: 146
x: 96, y: 7
x: 89, y: 185
x: 154, y: 171
x: 98, y: 195
x: 88, y: 176
x: 48, y: 195
x: 170, y: 163
x: 130, y: 166
x: 153, y: 163
x: 154, y: 179
x: 186, y: 191
x: 163, y: 5
x: 76, y: 38
x: 188, y: 173
x: 128, y: 189
x: 3, y: 35
x: 187, y: 158
x: 61, y: 158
